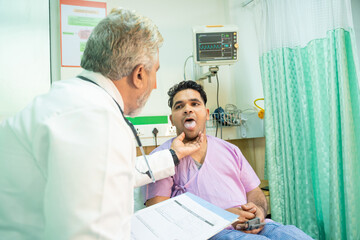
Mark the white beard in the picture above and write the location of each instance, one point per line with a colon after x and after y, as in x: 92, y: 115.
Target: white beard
x: 140, y: 102
x: 135, y: 112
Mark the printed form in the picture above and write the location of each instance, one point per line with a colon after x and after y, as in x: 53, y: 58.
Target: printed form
x: 183, y: 217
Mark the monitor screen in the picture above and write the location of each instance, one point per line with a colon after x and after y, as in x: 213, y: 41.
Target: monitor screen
x: 216, y: 46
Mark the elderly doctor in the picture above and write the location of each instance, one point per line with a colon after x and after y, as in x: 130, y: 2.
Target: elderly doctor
x: 68, y: 163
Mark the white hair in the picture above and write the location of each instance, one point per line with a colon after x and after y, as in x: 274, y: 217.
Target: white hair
x: 120, y: 42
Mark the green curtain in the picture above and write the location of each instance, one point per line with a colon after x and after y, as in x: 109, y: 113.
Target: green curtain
x: 312, y: 129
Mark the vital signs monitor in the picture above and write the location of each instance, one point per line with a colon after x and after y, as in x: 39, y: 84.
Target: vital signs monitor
x: 215, y: 45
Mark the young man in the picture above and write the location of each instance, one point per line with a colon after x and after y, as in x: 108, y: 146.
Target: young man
x: 67, y: 161
x: 217, y: 172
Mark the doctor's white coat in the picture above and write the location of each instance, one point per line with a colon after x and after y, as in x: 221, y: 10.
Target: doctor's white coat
x: 67, y: 165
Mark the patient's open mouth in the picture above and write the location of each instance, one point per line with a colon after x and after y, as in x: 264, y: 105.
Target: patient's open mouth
x: 189, y: 123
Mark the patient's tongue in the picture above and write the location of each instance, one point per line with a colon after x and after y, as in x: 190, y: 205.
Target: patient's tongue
x: 190, y: 125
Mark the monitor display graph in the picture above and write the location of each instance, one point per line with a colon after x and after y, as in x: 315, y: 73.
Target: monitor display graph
x: 216, y: 46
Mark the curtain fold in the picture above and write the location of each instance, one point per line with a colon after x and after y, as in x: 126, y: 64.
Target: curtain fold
x: 312, y: 119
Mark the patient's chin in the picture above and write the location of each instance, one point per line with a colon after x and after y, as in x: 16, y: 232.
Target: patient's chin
x: 191, y: 136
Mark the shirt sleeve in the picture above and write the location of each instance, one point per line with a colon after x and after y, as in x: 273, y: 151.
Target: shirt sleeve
x: 161, y: 164
x: 247, y: 174
x: 161, y: 187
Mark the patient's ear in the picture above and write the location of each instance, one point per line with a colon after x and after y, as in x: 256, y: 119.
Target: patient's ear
x: 171, y: 120
x: 207, y: 114
x: 139, y: 76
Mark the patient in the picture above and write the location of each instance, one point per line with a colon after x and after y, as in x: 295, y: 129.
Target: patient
x: 218, y: 172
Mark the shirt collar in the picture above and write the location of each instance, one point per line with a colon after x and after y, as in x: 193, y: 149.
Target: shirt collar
x: 106, y: 84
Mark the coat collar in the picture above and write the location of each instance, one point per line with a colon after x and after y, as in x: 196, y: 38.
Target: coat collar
x: 106, y: 84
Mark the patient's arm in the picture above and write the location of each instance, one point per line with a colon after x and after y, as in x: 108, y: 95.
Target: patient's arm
x: 257, y: 197
x: 256, y: 204
x: 155, y: 200
x: 256, y: 207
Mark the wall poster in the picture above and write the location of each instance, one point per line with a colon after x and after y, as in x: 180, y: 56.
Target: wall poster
x: 77, y: 19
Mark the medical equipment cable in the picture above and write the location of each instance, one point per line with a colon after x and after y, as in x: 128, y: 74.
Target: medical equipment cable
x: 261, y: 113
x: 149, y: 172
x: 258, y: 100
x: 217, y: 102
x: 217, y: 90
x: 185, y: 65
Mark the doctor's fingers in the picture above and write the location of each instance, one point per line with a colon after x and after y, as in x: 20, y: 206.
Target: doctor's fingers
x: 200, y: 138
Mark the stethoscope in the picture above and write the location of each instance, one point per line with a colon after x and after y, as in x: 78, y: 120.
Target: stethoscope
x: 149, y: 172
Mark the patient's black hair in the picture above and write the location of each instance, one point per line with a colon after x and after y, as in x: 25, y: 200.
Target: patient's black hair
x: 183, y: 86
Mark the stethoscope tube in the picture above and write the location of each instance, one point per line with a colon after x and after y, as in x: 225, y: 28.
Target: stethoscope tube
x: 149, y: 172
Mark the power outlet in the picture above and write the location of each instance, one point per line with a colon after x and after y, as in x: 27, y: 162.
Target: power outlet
x: 171, y: 131
x: 139, y: 132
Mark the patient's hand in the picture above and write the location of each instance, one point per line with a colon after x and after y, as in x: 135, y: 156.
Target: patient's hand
x: 243, y: 215
x: 258, y: 211
x: 155, y: 200
x: 246, y: 212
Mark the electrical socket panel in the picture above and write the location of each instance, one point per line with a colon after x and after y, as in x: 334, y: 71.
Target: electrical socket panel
x: 139, y: 132
x: 166, y: 132
x: 171, y: 131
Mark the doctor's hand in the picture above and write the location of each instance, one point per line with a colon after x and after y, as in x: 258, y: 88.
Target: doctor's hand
x: 184, y: 149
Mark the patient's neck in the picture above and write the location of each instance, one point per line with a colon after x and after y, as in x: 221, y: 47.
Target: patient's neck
x: 200, y: 155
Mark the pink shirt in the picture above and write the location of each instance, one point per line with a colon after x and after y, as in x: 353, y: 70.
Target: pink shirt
x: 223, y: 180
